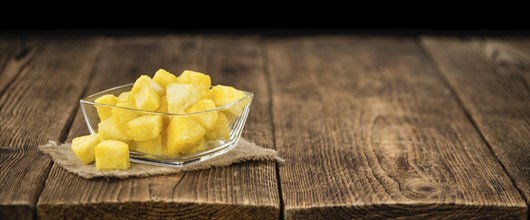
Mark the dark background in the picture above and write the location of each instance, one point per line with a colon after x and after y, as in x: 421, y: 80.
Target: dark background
x: 267, y: 31
x: 271, y: 19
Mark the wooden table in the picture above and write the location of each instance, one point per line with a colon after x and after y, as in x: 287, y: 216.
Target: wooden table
x: 370, y: 127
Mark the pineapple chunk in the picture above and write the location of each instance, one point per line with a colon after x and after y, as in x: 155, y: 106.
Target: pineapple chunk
x: 224, y: 95
x: 112, y: 155
x: 83, y: 147
x: 202, y: 146
x: 152, y: 146
x: 183, y: 134
x: 105, y: 112
x: 207, y: 119
x: 163, y: 105
x: 121, y: 115
x: 146, y: 99
x: 200, y: 80
x: 145, y: 127
x: 221, y: 130
x: 181, y: 96
x: 124, y: 96
x: 108, y: 130
x: 163, y: 78
x: 132, y: 145
x: 163, y: 108
x: 146, y: 81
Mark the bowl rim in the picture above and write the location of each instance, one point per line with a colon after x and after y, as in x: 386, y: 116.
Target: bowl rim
x: 248, y: 95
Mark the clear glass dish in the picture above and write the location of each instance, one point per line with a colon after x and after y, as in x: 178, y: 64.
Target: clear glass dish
x: 236, y: 114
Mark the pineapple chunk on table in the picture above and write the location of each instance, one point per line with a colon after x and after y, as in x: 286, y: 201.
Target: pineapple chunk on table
x: 146, y: 99
x: 112, y: 155
x: 207, y: 119
x: 163, y: 78
x: 145, y: 127
x: 224, y: 95
x: 183, y: 134
x: 202, y: 81
x: 105, y: 112
x: 181, y: 96
x: 83, y: 147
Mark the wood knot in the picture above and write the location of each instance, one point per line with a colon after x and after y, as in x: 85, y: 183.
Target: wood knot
x: 420, y: 190
x: 21, y: 53
x: 427, y: 189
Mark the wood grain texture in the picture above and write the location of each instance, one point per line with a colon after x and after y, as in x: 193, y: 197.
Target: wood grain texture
x: 242, y: 191
x: 14, y: 53
x: 492, y: 79
x: 369, y: 130
x: 37, y: 107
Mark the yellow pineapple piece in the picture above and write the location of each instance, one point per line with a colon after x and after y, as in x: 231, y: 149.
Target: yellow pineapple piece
x: 145, y: 127
x: 207, y: 119
x: 163, y: 108
x: 200, y: 80
x: 132, y: 145
x: 181, y: 96
x: 221, y: 130
x: 121, y: 115
x: 163, y: 78
x: 105, y: 112
x: 142, y: 81
x: 224, y: 95
x: 183, y: 133
x: 112, y: 155
x: 163, y: 105
x: 146, y: 99
x: 108, y: 130
x: 202, y: 146
x: 124, y: 96
x: 152, y: 146
x: 83, y: 147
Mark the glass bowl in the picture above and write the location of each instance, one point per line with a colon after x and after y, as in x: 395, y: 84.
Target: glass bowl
x: 235, y: 114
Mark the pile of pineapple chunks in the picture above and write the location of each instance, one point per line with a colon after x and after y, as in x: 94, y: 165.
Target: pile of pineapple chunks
x: 123, y: 129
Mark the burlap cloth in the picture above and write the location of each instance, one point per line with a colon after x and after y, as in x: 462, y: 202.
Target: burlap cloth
x: 63, y: 156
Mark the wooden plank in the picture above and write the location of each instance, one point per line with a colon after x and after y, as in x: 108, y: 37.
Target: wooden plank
x: 492, y: 79
x: 35, y: 108
x: 243, y: 191
x: 14, y: 53
x: 369, y: 130
x: 510, y: 56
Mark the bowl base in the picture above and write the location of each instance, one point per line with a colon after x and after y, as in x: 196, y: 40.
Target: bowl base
x: 142, y: 158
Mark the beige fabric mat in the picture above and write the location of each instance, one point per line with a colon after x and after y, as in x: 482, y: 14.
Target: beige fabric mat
x: 244, y: 151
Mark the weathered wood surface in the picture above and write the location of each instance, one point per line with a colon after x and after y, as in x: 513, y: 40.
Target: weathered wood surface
x: 369, y: 130
x: 242, y: 191
x: 37, y: 106
x: 491, y: 77
x: 14, y: 53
